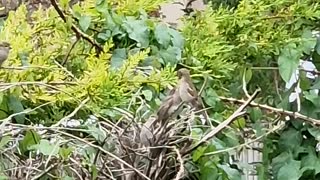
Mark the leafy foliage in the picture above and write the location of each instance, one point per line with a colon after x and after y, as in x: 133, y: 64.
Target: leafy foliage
x: 55, y: 64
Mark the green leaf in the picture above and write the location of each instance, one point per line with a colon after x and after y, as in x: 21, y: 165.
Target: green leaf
x: 209, y: 173
x: 210, y: 97
x: 84, y: 22
x: 16, y: 106
x: 4, y: 141
x: 232, y: 173
x: 64, y: 3
x: 118, y: 58
x: 104, y: 36
x: 316, y: 84
x: 46, y: 148
x: 147, y: 94
x: 290, y: 139
x: 176, y: 38
x: 310, y: 162
x: 315, y: 132
x: 258, y: 127
x: 31, y: 138
x: 248, y: 75
x: 138, y: 31
x: 317, y: 48
x: 65, y: 152
x: 162, y: 35
x: 304, y: 81
x: 1, y: 97
x: 97, y: 133
x: 255, y: 114
x: 290, y: 171
x: 312, y: 97
x: 308, y: 41
x: 288, y: 61
x: 198, y: 153
x: 280, y: 160
x: 171, y: 56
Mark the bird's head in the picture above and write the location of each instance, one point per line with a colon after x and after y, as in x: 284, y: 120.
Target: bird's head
x: 5, y: 44
x: 183, y: 72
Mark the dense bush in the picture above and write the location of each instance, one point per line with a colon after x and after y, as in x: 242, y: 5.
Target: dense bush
x: 113, y: 60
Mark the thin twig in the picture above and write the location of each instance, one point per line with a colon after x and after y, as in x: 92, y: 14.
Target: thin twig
x: 44, y: 172
x: 181, y: 170
x: 106, y: 152
x: 277, y: 110
x: 73, y: 113
x: 78, y: 32
x: 276, y: 68
x: 68, y: 54
x: 224, y: 124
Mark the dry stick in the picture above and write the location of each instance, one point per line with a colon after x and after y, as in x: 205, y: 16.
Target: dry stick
x: 277, y: 110
x: 78, y: 32
x: 107, y: 152
x: 44, y: 172
x: 276, y: 68
x: 181, y: 170
x: 224, y: 124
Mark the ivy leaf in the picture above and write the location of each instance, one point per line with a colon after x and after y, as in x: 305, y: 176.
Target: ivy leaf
x: 171, y: 55
x: 162, y: 35
x: 46, y: 148
x: 210, y: 97
x: 316, y: 84
x: 138, y: 31
x: 290, y: 139
x: 312, y: 97
x: 118, y: 58
x: 308, y: 41
x: 84, y: 22
x: 255, y: 114
x: 232, y: 173
x: 310, y: 162
x: 209, y: 173
x: 176, y: 38
x: 16, y: 106
x: 97, y: 133
x: 290, y: 171
x: 104, y: 36
x: 315, y: 132
x: 288, y: 61
x: 279, y: 161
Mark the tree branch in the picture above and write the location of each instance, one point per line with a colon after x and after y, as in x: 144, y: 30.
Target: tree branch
x: 295, y: 115
x: 76, y: 30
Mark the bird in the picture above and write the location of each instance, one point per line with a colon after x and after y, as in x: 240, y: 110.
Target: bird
x: 189, y: 94
x: 4, y: 51
x: 169, y: 106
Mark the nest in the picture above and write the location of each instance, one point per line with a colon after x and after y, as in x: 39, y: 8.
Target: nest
x: 157, y: 148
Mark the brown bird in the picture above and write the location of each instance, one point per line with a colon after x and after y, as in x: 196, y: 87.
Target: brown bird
x: 4, y: 51
x: 169, y: 106
x: 189, y: 94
